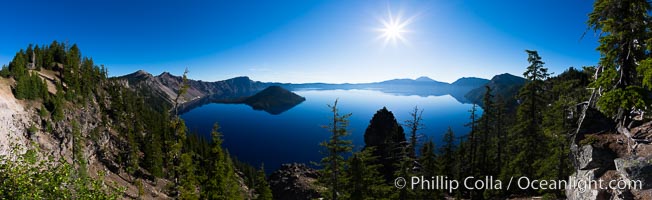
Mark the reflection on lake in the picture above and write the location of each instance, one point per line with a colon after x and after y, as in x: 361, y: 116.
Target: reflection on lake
x: 294, y: 136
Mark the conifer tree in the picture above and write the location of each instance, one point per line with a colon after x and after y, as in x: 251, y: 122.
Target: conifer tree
x: 486, y: 125
x: 431, y: 167
x: 472, y: 138
x: 625, y: 54
x: 447, y: 153
x: 58, y: 102
x: 188, y: 181
x: 526, y: 133
x: 335, y: 148
x: 154, y: 155
x: 414, y: 124
x: 363, y: 179
x: 179, y: 136
x: 262, y: 186
x: 132, y: 152
x: 222, y: 183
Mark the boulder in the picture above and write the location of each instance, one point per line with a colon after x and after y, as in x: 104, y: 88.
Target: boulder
x: 639, y: 169
x: 294, y: 182
x: 590, y: 157
x: 575, y: 192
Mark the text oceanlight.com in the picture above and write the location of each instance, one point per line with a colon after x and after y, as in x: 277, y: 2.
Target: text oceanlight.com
x: 523, y: 183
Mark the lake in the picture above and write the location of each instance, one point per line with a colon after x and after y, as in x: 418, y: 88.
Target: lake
x: 258, y: 137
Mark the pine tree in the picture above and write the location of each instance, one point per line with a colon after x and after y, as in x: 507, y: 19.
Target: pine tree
x: 486, y: 125
x: 179, y: 136
x: 188, y: 180
x: 222, y: 183
x: 58, y: 104
x: 78, y: 144
x: 472, y: 139
x: 447, y: 154
x: 262, y: 186
x: 132, y: 152
x: 526, y: 133
x: 414, y: 124
x: 431, y: 167
x: 625, y: 54
x: 363, y: 179
x: 154, y: 155
x: 335, y: 148
x: 405, y: 168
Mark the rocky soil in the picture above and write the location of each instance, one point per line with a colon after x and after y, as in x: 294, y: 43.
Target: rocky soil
x: 294, y: 182
x: 13, y: 118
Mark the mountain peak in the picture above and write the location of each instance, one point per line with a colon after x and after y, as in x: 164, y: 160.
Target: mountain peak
x: 138, y: 75
x: 470, y: 82
x: 142, y: 72
x: 165, y: 74
x: 424, y: 79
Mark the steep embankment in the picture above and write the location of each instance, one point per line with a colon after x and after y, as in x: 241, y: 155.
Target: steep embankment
x: 13, y: 118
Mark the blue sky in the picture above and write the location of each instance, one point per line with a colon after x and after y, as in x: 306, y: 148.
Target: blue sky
x: 308, y: 41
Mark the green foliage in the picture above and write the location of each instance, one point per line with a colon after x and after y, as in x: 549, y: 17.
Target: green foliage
x: 30, y: 86
x: 222, y: 183
x: 132, y: 152
x: 262, y: 186
x: 432, y: 166
x: 30, y: 176
x: 447, y: 156
x: 4, y: 71
x: 58, y: 104
x: 79, y: 160
x: 363, y: 179
x: 43, y: 112
x: 336, y: 147
x: 624, y: 49
x: 525, y: 135
x: 188, y: 180
x: 628, y: 98
x: 414, y: 124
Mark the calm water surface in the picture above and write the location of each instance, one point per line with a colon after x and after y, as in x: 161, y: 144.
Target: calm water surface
x: 293, y: 136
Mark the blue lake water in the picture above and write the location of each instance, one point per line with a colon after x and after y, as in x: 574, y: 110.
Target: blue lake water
x: 293, y: 136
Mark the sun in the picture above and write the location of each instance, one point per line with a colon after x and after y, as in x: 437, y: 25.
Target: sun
x: 394, y: 29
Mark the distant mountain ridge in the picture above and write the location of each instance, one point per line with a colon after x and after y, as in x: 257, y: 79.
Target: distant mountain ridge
x: 504, y: 86
x: 164, y: 88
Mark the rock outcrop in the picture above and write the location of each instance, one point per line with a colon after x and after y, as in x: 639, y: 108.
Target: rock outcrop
x: 294, y: 182
x: 612, y: 156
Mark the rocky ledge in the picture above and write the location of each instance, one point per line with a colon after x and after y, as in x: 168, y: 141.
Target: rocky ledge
x: 294, y: 182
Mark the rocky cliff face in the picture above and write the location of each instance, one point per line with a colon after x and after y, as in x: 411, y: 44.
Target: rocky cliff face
x: 166, y: 86
x: 294, y: 182
x: 604, y: 154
